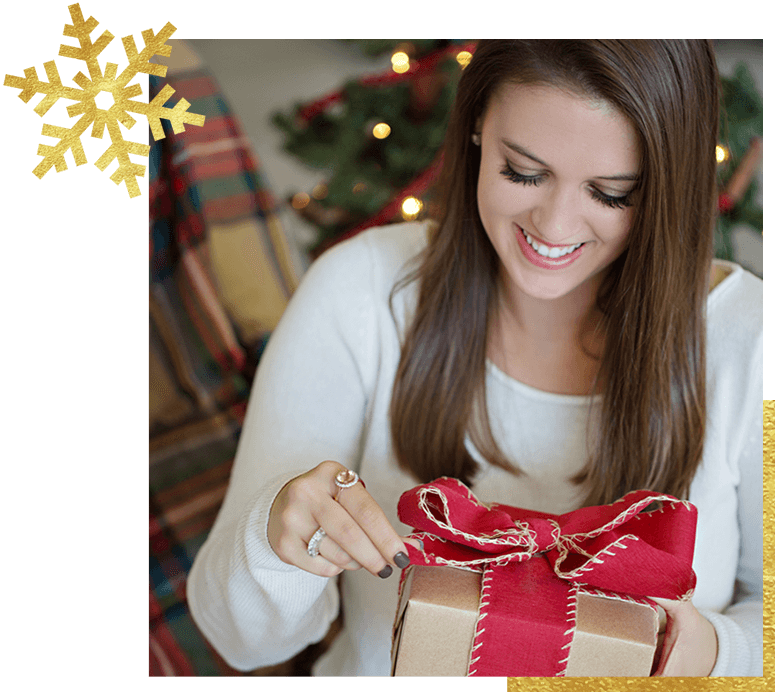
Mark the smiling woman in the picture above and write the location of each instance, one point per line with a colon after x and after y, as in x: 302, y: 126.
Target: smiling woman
x: 553, y: 340
x: 597, y: 136
x: 558, y: 192
x: 625, y: 317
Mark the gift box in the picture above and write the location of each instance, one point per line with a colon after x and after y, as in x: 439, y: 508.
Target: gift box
x: 502, y: 591
x: 439, y: 608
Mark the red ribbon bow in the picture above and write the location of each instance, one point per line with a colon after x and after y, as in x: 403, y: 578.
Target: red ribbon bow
x: 640, y: 546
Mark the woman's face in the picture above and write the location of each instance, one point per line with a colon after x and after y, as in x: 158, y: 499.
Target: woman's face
x: 555, y: 187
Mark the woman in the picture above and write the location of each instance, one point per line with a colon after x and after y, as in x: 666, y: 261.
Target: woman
x: 559, y: 338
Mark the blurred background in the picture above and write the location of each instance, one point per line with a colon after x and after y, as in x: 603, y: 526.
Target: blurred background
x: 305, y: 143
x: 262, y: 78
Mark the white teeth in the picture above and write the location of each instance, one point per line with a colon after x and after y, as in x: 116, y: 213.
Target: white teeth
x: 551, y: 253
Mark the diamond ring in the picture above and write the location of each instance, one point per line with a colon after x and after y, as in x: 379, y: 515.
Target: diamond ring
x: 345, y: 479
x: 313, y: 547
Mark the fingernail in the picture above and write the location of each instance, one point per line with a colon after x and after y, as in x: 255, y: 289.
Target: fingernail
x: 387, y: 570
x: 401, y: 559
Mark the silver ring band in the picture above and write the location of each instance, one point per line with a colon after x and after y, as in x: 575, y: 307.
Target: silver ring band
x: 313, y: 547
x: 344, y: 479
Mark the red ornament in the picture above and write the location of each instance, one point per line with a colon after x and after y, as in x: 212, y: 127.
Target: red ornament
x: 725, y: 203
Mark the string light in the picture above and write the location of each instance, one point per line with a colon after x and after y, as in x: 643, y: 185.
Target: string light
x: 722, y: 154
x: 411, y: 208
x: 381, y: 130
x: 400, y: 62
x: 300, y: 200
x: 463, y: 58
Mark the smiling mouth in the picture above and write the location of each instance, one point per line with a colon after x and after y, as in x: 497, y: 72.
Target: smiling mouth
x: 553, y: 252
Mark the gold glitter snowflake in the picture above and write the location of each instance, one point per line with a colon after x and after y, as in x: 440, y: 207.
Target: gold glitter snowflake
x: 86, y: 106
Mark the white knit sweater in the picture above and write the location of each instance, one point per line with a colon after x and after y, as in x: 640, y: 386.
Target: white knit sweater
x: 323, y: 391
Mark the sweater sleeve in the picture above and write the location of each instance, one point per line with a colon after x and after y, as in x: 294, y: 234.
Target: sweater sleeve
x: 307, y: 405
x: 739, y: 629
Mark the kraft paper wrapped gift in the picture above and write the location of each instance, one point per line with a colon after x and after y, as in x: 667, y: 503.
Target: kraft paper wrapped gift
x: 509, y: 592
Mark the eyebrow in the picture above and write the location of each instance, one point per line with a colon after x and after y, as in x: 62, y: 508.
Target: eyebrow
x: 530, y: 155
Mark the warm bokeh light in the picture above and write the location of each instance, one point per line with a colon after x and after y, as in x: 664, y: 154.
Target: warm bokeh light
x: 410, y: 208
x: 463, y: 58
x: 400, y: 62
x: 722, y: 154
x: 359, y: 187
x: 320, y: 191
x: 300, y: 200
x: 381, y: 130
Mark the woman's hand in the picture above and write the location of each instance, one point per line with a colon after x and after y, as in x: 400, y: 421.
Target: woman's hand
x: 358, y: 534
x: 690, y: 645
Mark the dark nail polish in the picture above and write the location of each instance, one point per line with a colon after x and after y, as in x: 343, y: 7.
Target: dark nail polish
x: 387, y: 570
x: 401, y: 559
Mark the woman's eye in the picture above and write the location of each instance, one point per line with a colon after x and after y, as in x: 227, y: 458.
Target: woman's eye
x: 508, y: 172
x: 611, y: 201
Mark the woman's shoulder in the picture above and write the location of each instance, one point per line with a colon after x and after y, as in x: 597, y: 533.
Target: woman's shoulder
x: 736, y: 291
x: 387, y: 245
x: 378, y: 254
x: 736, y: 318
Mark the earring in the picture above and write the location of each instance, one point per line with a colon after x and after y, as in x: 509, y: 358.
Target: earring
x: 476, y: 138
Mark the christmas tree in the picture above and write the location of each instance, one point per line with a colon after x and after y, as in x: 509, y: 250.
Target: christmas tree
x: 378, y: 140
x: 739, y: 154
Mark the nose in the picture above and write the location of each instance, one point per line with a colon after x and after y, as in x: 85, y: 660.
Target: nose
x: 557, y: 215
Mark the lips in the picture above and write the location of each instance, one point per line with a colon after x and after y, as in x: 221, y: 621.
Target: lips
x: 570, y: 256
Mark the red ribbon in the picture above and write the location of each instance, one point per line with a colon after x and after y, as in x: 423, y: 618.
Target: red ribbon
x: 640, y: 546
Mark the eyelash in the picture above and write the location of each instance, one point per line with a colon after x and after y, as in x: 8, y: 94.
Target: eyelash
x: 606, y: 200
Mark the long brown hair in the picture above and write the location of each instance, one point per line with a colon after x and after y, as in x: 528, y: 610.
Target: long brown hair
x: 652, y: 424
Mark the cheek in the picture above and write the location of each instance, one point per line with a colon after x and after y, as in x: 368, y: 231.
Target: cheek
x: 497, y: 197
x: 618, y: 233
x: 626, y: 226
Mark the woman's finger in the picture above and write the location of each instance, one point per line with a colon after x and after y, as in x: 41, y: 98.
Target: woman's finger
x: 414, y: 542
x: 358, y: 532
x: 317, y: 564
x: 346, y: 531
x: 363, y: 508
x: 690, y: 644
x: 336, y: 555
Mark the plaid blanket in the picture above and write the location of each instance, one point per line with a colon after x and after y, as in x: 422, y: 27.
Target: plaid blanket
x: 221, y: 273
x: 210, y: 314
